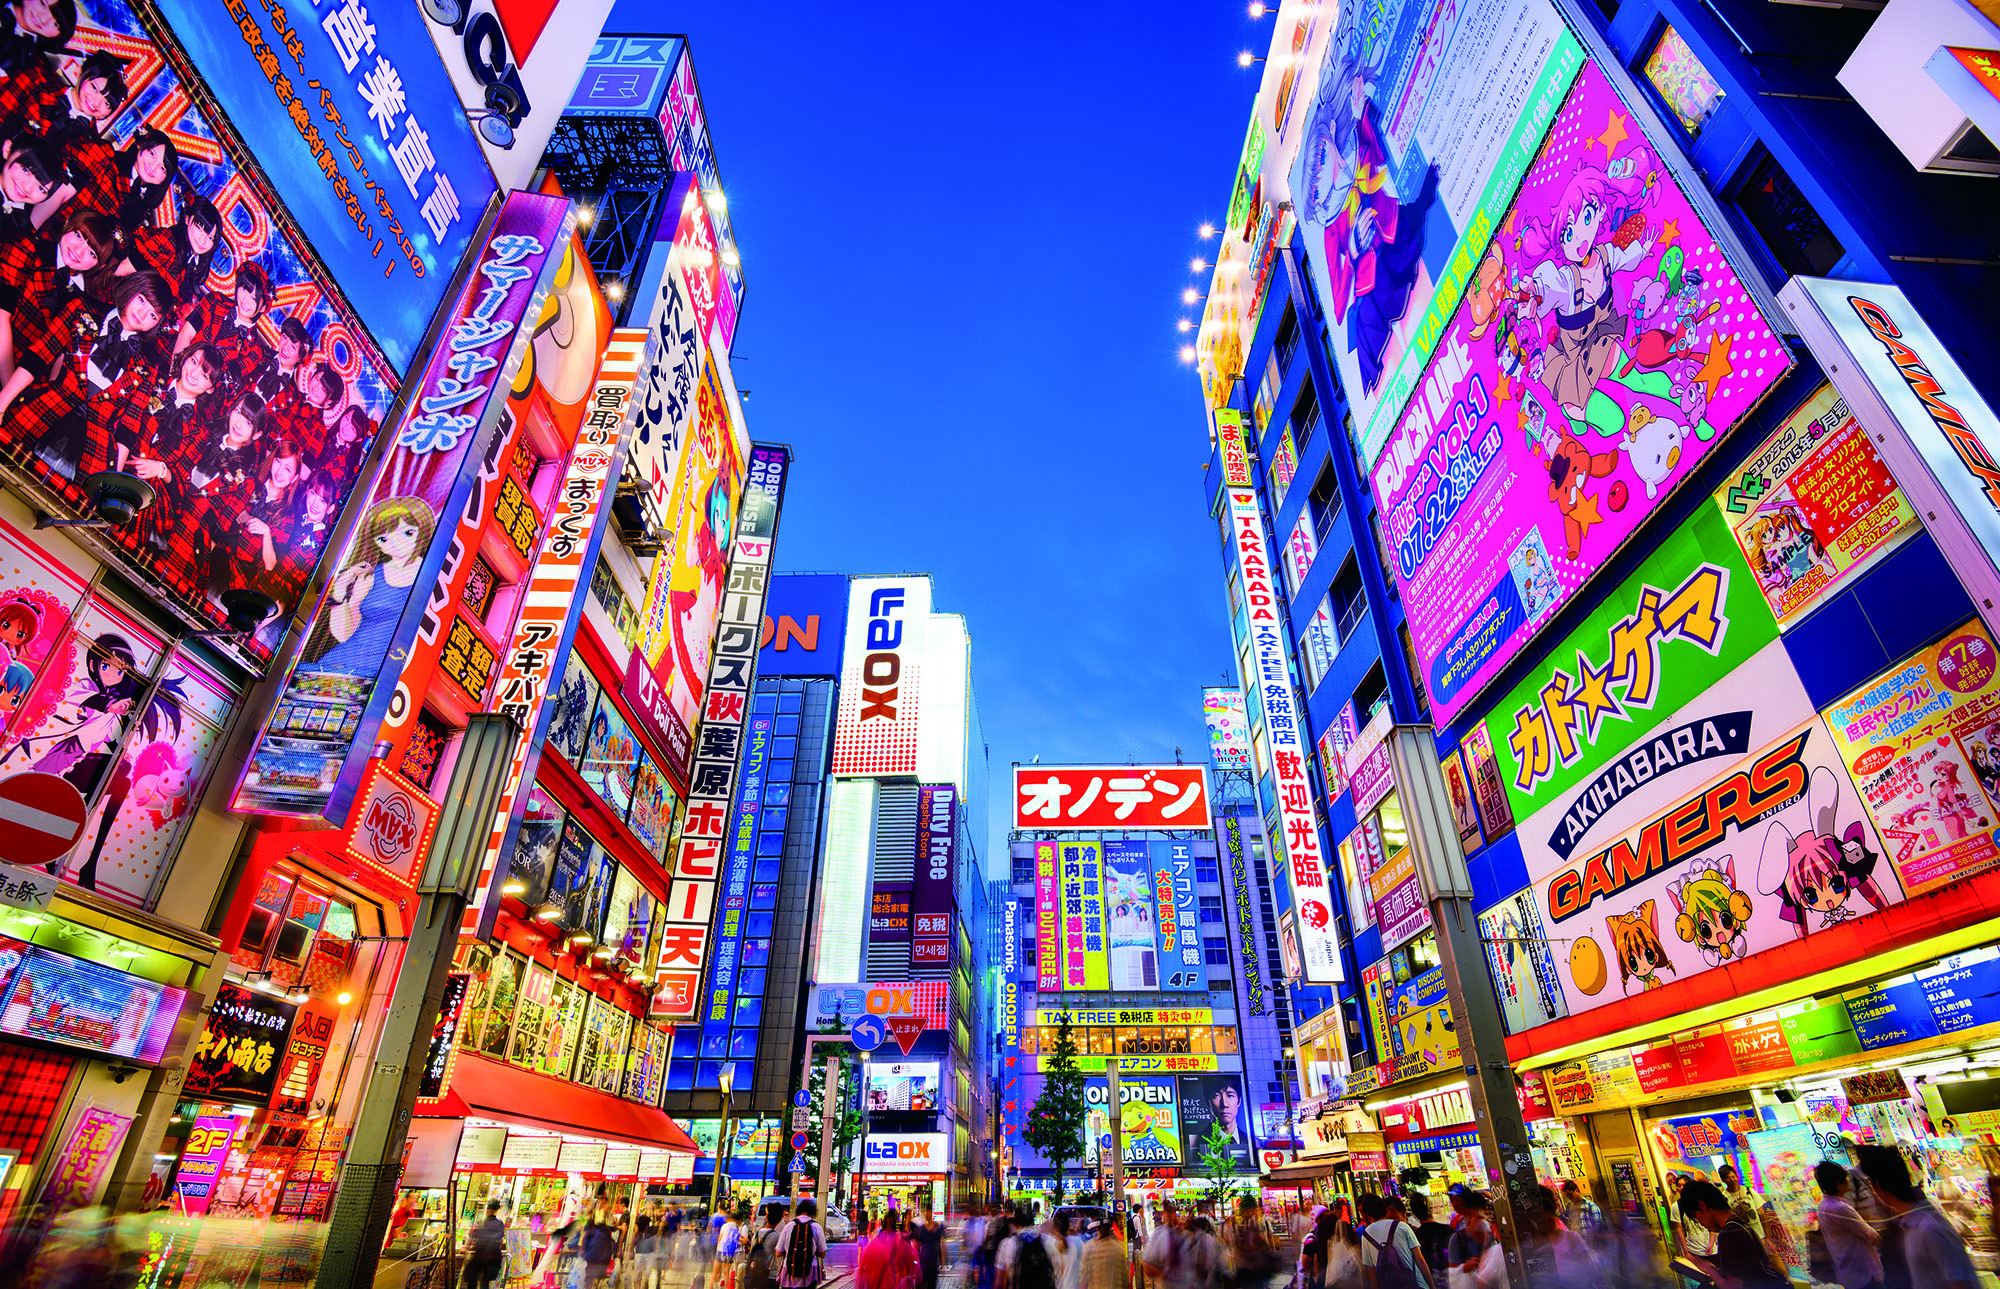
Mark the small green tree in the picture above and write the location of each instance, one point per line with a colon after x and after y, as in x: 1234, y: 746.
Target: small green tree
x: 1217, y: 1161
x: 1056, y: 1120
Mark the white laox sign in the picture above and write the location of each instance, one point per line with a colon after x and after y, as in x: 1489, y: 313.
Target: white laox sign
x: 914, y: 1152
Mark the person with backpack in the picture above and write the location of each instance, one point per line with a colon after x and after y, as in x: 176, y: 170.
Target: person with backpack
x: 1161, y: 1256
x: 801, y: 1249
x: 1390, y: 1255
x: 599, y: 1246
x: 728, y: 1227
x: 756, y: 1265
x: 1029, y: 1260
x: 1250, y: 1247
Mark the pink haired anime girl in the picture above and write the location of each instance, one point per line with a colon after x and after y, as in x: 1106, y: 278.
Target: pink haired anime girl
x: 1817, y: 871
x: 1598, y: 229
x: 1951, y: 808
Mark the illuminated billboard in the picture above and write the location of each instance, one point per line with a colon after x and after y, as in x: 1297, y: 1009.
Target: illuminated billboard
x: 182, y: 331
x: 1228, y: 724
x: 1418, y: 128
x: 1111, y: 796
x: 876, y: 731
x: 356, y: 128
x: 683, y: 600
x: 708, y: 824
x: 308, y: 758
x: 1547, y: 437
x: 903, y: 1085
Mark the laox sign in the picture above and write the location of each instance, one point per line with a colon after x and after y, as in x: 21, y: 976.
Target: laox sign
x: 883, y: 667
x: 899, y: 1150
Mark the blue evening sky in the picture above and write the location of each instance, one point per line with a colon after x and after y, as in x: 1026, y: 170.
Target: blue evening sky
x: 965, y: 232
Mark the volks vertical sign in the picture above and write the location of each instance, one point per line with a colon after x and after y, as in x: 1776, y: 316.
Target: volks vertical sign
x: 1299, y: 844
x: 877, y: 728
x: 725, y: 704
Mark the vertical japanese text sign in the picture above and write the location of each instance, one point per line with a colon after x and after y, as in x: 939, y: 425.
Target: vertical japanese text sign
x: 1299, y: 841
x: 725, y: 705
x: 545, y: 629
x: 309, y: 757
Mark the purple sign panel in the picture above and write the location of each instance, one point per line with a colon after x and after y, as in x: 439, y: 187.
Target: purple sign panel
x: 1603, y: 347
x: 736, y: 872
x: 930, y: 898
x: 311, y: 752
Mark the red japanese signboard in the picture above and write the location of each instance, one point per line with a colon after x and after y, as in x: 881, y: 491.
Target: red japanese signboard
x: 1111, y: 796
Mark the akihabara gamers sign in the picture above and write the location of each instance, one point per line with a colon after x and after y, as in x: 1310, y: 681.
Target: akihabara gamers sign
x: 1111, y: 796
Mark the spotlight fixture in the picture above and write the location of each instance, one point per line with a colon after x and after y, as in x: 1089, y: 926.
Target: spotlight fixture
x: 1198, y: 264
x: 1190, y: 295
x: 344, y: 998
x: 1184, y: 325
x: 1206, y: 231
x: 1258, y: 10
x: 513, y: 886
x: 1246, y: 59
x: 548, y: 913
x: 115, y: 500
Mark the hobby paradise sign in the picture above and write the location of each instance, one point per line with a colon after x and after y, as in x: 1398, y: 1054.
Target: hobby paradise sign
x: 1603, y: 346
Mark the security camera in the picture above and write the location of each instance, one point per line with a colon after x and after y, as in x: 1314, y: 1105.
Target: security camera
x: 119, y: 1071
x: 116, y: 499
x: 244, y: 610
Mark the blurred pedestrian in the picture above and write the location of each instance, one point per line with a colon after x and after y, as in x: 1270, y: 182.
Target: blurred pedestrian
x: 1739, y: 1258
x: 1920, y: 1248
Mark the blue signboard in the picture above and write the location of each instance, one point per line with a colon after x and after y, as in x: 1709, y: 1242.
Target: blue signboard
x: 626, y: 76
x: 1890, y: 1015
x: 805, y: 625
x: 1963, y: 990
x: 359, y: 134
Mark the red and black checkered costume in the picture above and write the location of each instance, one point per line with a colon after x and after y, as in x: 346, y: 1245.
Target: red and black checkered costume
x: 342, y: 461
x: 174, y: 526
x: 30, y: 95
x: 115, y: 413
x: 93, y: 169
x: 243, y: 348
x: 152, y: 247
x: 53, y: 339
x: 246, y: 555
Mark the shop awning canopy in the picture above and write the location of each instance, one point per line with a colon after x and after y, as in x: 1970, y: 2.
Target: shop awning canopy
x: 495, y: 1090
x: 1306, y: 1170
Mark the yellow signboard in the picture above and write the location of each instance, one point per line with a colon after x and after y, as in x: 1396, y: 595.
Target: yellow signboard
x: 1131, y: 1016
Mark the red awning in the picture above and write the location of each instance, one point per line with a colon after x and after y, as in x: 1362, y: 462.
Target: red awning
x: 495, y: 1090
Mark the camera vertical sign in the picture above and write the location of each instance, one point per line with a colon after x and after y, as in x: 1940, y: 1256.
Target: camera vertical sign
x: 545, y: 627
x: 718, y: 742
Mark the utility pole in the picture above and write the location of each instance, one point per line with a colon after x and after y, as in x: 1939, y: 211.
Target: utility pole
x: 1475, y: 1010
x: 360, y: 1219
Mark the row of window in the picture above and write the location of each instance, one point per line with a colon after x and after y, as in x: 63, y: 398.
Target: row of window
x: 1135, y: 1040
x: 1207, y: 872
x: 522, y: 1012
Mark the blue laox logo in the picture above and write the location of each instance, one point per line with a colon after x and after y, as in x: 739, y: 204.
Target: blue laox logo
x: 440, y: 424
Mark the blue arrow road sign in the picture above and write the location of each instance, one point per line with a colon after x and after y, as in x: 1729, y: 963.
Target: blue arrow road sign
x: 869, y: 1033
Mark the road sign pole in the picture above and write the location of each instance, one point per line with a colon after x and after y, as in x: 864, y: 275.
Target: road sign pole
x: 1117, y: 1138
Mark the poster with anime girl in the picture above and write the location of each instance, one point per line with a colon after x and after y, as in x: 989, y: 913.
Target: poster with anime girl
x: 1419, y: 124
x: 150, y: 797
x: 1607, y: 347
x: 84, y: 698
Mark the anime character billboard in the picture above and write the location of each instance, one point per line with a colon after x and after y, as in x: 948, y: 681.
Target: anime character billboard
x: 90, y: 693
x: 157, y: 320
x: 1421, y: 122
x: 1814, y: 507
x: 1603, y: 347
x: 1923, y: 743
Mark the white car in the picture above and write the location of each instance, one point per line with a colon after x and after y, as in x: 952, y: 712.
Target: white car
x: 838, y: 1228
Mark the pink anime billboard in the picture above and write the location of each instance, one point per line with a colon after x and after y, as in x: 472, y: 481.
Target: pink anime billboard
x: 1602, y: 348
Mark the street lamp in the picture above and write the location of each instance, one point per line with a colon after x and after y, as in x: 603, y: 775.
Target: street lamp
x: 722, y: 1139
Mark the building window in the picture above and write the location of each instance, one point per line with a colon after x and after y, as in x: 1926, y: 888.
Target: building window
x: 1322, y: 645
x: 1267, y: 394
x: 1683, y: 82
x: 1208, y: 870
x: 1287, y: 343
x: 1211, y: 909
x: 1324, y: 503
x: 1301, y: 549
x: 1791, y: 230
x: 1305, y: 413
x: 1024, y: 871
x: 1215, y: 953
x: 1347, y: 602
